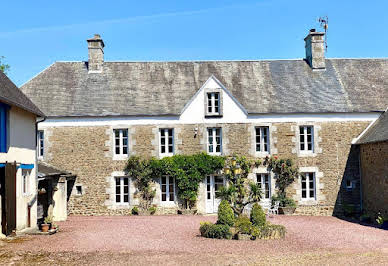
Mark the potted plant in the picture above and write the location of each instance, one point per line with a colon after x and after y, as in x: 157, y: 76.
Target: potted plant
x: 285, y: 174
x: 47, y: 222
x: 286, y: 206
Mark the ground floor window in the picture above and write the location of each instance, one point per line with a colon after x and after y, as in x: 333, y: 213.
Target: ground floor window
x: 122, y: 190
x: 263, y: 180
x: 168, y: 189
x: 25, y: 181
x: 308, y: 185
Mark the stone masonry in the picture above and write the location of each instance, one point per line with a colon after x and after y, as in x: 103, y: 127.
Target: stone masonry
x: 374, y: 177
x: 85, y: 151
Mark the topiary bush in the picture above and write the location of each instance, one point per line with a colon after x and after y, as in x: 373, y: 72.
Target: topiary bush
x: 258, y: 215
x: 268, y: 231
x: 218, y: 231
x: 243, y: 224
x: 225, y: 214
x: 204, y: 228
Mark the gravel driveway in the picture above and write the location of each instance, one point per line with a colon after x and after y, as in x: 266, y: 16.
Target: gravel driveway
x: 174, y: 239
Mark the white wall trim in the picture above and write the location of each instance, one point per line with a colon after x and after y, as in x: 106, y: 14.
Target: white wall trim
x: 175, y: 120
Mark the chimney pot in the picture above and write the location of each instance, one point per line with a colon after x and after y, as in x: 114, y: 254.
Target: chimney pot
x: 96, y: 53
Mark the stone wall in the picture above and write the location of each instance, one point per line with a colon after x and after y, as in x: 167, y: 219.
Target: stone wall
x: 374, y: 174
x: 87, y: 152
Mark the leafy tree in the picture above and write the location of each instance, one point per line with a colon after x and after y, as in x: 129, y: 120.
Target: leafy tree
x: 239, y: 191
x: 3, y: 67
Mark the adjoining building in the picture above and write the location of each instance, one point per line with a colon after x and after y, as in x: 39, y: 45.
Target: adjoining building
x: 18, y: 116
x: 309, y: 110
x: 374, y: 167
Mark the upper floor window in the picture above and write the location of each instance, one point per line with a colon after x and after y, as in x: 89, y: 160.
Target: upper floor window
x: 121, y: 141
x: 122, y: 190
x: 3, y: 127
x: 166, y: 141
x: 214, y: 140
x: 213, y: 103
x: 262, y: 139
x: 40, y: 143
x: 308, y: 185
x: 264, y: 182
x: 306, y: 138
x: 168, y: 189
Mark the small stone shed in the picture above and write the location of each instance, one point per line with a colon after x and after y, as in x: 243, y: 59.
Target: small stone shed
x: 54, y: 188
x: 374, y: 167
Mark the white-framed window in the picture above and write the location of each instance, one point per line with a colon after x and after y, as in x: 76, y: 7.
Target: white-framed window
x: 306, y: 138
x: 166, y: 141
x: 213, y: 103
x: 214, y: 140
x: 40, y: 143
x: 121, y: 142
x: 264, y: 181
x: 167, y: 188
x: 308, y: 186
x: 26, y: 181
x: 122, y: 190
x: 262, y: 139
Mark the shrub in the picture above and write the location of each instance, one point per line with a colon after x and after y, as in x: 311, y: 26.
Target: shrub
x: 152, y: 210
x: 243, y: 224
x: 225, y: 214
x: 219, y: 231
x: 135, y: 210
x: 204, y: 228
x: 258, y: 215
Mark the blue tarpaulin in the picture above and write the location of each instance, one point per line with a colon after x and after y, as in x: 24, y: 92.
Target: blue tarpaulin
x: 2, y: 165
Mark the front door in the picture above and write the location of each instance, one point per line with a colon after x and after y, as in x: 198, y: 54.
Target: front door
x: 213, y: 184
x: 8, y: 198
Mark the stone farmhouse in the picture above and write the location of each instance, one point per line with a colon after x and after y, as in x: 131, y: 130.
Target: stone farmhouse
x: 374, y: 167
x: 310, y: 110
x: 18, y: 162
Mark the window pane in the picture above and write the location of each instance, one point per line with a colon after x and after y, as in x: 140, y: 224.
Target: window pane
x: 163, y: 197
x: 163, y: 149
x: 308, y: 130
x: 170, y: 149
x: 126, y: 198
x: 310, y: 146
x: 117, y: 198
x: 125, y: 133
x: 301, y: 138
x: 301, y: 129
x: 303, y: 193
x: 125, y: 141
x: 302, y: 146
x: 164, y: 180
x: 171, y: 196
x: 125, y: 189
x: 117, y: 133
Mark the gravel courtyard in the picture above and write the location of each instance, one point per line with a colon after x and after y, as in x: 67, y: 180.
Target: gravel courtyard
x: 174, y: 240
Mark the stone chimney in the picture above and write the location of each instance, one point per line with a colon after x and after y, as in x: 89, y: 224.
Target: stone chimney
x: 96, y: 53
x: 315, y: 50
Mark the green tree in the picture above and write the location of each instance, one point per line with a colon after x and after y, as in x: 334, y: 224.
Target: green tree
x: 239, y: 191
x: 3, y: 67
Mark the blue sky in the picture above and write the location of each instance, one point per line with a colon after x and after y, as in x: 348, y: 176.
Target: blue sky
x: 34, y: 34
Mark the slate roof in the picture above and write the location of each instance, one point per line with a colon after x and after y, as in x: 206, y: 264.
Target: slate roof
x: 377, y: 132
x: 12, y: 95
x: 164, y: 88
x: 45, y: 169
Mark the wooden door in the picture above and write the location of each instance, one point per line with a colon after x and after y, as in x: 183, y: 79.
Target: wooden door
x: 10, y: 198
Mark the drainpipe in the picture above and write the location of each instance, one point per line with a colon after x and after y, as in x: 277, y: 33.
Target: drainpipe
x: 359, y: 170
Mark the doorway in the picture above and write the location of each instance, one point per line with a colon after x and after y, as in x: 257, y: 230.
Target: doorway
x: 213, y: 184
x: 8, y: 198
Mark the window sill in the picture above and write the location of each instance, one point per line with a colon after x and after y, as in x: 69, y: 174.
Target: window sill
x: 162, y: 155
x: 308, y: 202
x: 168, y: 203
x: 262, y: 154
x: 215, y: 154
x: 213, y: 115
x: 122, y: 205
x: 120, y: 157
x: 306, y: 153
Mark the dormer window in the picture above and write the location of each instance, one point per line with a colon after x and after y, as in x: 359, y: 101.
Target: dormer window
x: 213, y: 103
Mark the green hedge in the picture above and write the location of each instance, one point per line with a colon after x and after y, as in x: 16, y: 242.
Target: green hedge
x: 268, y: 230
x: 218, y: 231
x: 243, y: 224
